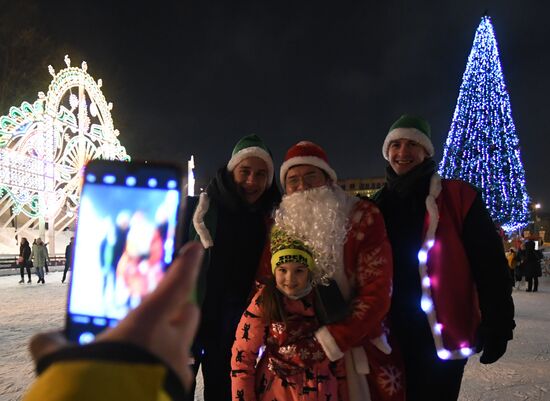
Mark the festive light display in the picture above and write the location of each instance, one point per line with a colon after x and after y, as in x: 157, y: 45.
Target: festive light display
x: 426, y: 300
x: 44, y: 145
x: 482, y: 146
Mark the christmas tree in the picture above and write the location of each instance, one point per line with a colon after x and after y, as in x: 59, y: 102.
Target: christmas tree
x: 482, y: 146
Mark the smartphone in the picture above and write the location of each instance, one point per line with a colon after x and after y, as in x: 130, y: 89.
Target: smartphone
x: 126, y: 237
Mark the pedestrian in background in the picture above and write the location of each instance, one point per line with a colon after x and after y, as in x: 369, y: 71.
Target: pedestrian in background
x: 520, y: 266
x: 512, y: 263
x: 23, y: 261
x: 531, y: 265
x: 39, y: 256
x: 68, y: 258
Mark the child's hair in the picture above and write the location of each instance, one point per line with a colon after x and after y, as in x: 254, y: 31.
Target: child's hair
x: 272, y: 303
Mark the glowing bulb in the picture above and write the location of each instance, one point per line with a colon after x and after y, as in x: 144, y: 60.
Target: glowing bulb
x: 426, y: 304
x: 466, y: 351
x: 426, y: 282
x: 438, y: 327
x: 422, y: 256
x: 443, y: 354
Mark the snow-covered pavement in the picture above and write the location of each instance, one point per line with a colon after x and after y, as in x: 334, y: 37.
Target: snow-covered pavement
x: 522, y: 374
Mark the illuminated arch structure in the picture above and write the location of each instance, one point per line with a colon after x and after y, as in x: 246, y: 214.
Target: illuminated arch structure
x: 43, y: 147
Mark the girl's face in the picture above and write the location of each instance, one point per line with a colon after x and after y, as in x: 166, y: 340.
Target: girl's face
x: 292, y: 278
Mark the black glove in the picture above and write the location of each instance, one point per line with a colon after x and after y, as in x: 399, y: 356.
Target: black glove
x: 493, y: 350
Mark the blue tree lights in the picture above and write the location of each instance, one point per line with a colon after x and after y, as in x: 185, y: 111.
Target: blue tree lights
x: 482, y: 146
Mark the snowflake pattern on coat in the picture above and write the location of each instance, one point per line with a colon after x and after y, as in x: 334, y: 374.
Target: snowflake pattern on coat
x: 368, y: 266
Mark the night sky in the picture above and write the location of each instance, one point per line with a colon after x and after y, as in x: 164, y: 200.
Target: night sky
x: 193, y: 77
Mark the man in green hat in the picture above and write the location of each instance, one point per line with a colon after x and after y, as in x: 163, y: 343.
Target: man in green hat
x: 451, y: 290
x: 232, y: 221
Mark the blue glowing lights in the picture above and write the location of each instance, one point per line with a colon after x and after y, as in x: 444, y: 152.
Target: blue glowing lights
x: 482, y: 146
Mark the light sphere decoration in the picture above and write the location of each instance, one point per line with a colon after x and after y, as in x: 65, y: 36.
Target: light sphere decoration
x: 482, y: 146
x: 45, y: 145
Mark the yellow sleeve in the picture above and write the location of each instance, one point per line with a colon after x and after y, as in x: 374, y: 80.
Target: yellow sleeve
x: 107, y: 375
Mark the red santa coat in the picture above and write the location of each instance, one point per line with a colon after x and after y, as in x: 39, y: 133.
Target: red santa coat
x: 368, y: 270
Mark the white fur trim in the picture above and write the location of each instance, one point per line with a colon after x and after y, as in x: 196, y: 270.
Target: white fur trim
x: 252, y: 151
x: 308, y: 160
x: 382, y: 344
x: 198, y: 221
x: 431, y: 206
x: 407, y: 133
x: 328, y: 343
x: 360, y: 360
x: 358, y: 387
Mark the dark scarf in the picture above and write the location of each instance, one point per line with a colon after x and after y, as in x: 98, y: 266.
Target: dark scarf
x: 415, y: 182
x: 224, y: 191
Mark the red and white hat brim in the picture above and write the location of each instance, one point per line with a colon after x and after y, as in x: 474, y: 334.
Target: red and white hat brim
x: 306, y: 160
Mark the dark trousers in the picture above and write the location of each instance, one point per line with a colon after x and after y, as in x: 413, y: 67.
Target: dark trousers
x: 212, y: 352
x: 215, y: 362
x: 429, y: 378
x: 21, y: 270
x: 530, y: 282
x: 65, y: 273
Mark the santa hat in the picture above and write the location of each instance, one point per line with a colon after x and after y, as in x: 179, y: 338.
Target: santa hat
x: 410, y: 127
x: 251, y: 146
x: 287, y: 249
x: 308, y: 153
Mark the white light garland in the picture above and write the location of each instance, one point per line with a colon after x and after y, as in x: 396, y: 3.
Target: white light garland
x: 44, y: 146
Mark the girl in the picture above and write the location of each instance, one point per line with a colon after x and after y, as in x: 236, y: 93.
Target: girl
x: 282, y: 318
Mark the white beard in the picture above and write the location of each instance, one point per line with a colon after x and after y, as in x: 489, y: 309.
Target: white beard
x: 318, y: 217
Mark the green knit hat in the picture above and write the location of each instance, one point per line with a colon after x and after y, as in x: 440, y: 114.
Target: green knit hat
x: 410, y: 127
x: 252, y: 146
x: 286, y: 249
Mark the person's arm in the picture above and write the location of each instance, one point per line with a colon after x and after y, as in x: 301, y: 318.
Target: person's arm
x: 372, y: 277
x: 145, y: 357
x: 490, y: 270
x: 107, y: 371
x: 249, y: 337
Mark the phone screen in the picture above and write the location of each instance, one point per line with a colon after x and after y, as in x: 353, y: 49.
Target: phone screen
x: 125, y: 239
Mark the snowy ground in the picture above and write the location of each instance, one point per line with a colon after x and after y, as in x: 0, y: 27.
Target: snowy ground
x: 522, y: 374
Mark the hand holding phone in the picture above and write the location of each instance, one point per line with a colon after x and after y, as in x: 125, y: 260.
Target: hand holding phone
x: 164, y: 325
x: 125, y: 239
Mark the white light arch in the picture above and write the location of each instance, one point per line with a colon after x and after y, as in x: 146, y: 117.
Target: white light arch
x: 43, y: 147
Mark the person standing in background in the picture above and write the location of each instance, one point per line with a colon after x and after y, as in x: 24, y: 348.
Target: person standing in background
x: 24, y: 260
x: 68, y: 258
x: 39, y: 255
x: 532, y: 267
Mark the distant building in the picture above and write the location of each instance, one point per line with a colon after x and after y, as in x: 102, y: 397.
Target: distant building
x: 362, y: 186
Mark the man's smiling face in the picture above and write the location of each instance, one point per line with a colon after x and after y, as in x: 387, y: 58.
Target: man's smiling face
x: 405, y: 154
